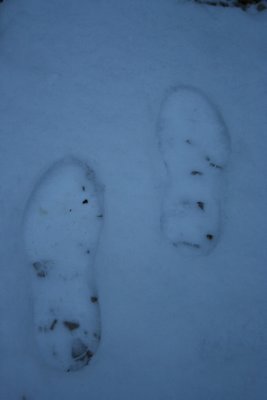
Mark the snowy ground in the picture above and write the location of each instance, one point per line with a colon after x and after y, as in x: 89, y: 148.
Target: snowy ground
x: 92, y: 81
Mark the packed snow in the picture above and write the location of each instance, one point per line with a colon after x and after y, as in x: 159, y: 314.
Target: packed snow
x: 62, y: 227
x: 195, y: 147
x: 133, y: 200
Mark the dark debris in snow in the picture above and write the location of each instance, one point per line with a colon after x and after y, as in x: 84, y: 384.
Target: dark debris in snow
x: 40, y: 269
x: 259, y: 5
x: 71, y: 325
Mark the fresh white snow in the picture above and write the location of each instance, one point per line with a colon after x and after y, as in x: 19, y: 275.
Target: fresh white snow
x: 88, y: 81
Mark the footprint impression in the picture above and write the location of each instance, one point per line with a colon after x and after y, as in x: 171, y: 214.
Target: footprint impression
x: 62, y: 225
x: 194, y: 144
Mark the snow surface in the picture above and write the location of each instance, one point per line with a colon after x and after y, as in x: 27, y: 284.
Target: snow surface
x: 195, y: 146
x: 88, y: 80
x: 61, y: 231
